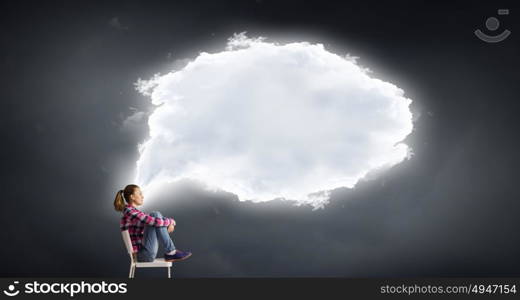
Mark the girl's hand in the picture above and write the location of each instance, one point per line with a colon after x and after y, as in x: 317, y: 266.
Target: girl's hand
x: 171, y: 228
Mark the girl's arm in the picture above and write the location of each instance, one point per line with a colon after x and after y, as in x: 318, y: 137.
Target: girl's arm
x: 149, y: 220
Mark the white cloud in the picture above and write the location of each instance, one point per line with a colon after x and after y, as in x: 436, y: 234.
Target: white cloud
x: 115, y: 23
x: 134, y: 120
x: 264, y: 121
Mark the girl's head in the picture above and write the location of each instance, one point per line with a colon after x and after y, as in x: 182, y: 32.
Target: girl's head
x: 131, y: 194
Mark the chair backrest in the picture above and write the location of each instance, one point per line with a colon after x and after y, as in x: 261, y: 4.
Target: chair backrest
x: 128, y: 243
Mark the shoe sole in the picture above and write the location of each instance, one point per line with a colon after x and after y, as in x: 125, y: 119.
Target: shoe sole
x: 178, y: 259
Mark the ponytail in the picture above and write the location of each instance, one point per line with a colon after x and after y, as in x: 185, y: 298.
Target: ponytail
x: 119, y: 202
x: 122, y: 196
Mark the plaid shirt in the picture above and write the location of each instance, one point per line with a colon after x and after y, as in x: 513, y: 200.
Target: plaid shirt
x: 134, y: 221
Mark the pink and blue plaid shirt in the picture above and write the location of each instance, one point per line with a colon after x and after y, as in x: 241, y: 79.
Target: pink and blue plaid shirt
x: 134, y: 221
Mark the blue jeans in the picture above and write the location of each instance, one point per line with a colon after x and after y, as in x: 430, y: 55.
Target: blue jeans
x: 150, y: 245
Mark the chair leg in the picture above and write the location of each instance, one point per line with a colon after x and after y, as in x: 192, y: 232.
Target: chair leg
x: 131, y: 269
x: 169, y: 272
x: 133, y: 272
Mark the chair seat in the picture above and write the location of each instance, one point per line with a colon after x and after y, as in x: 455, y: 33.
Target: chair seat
x: 158, y: 262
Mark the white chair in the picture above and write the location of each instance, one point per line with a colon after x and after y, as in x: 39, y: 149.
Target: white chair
x: 157, y: 263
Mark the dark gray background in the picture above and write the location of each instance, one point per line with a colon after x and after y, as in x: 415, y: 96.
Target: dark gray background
x: 67, y: 85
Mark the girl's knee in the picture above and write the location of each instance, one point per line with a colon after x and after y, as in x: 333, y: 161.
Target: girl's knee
x: 156, y: 214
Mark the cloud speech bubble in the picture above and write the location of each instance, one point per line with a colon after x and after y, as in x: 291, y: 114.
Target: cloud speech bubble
x: 264, y: 120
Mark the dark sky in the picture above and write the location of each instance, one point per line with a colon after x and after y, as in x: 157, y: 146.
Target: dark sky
x: 68, y: 69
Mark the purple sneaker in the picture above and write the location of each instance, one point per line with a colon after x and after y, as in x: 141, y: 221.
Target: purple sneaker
x: 178, y: 256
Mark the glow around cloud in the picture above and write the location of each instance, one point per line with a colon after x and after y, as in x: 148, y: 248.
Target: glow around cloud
x: 264, y: 120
